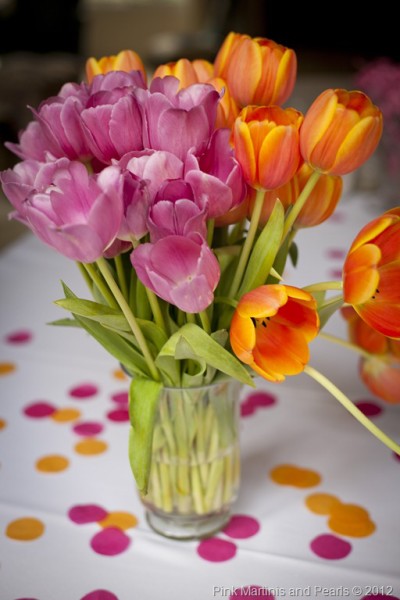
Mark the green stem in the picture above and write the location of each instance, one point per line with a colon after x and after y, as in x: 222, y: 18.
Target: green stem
x: 332, y: 300
x: 85, y: 275
x: 225, y: 300
x: 130, y: 317
x: 247, y: 246
x: 323, y: 286
x: 121, y: 276
x: 298, y: 205
x: 353, y: 410
x: 101, y: 286
x: 344, y: 343
x: 155, y: 307
x: 205, y: 321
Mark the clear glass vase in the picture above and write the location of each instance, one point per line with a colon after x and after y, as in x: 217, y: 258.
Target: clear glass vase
x: 195, y: 470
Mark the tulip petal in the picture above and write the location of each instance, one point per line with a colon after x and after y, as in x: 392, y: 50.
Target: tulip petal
x: 361, y: 277
x: 382, y: 377
x: 243, y: 337
x: 358, y: 146
x: 263, y: 301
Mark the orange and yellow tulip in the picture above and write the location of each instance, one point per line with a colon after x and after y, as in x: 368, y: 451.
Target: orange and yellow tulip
x: 266, y: 144
x: 227, y: 110
x: 126, y: 60
x: 322, y: 200
x: 371, y: 274
x: 182, y: 69
x: 341, y: 130
x: 271, y: 329
x: 257, y: 70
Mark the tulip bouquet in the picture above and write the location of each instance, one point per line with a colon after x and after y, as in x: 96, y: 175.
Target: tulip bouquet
x: 180, y: 200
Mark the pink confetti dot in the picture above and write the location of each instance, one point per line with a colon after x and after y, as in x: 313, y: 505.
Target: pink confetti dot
x: 39, y: 410
x: 100, y: 595
x: 118, y: 415
x: 396, y: 456
x: 84, y: 390
x: 216, y: 550
x: 255, y: 401
x: 19, y: 337
x: 87, y: 513
x: 369, y: 409
x: 110, y: 541
x: 337, y: 217
x: 335, y: 273
x: 241, y: 527
x: 251, y: 591
x: 336, y: 253
x: 88, y: 428
x: 120, y: 398
x: 380, y: 596
x: 330, y: 547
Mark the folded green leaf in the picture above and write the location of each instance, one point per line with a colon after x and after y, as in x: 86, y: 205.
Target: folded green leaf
x: 143, y: 402
x: 203, y: 347
x: 327, y: 309
x: 65, y: 323
x: 264, y: 252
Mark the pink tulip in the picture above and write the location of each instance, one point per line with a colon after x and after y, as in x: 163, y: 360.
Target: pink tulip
x: 183, y: 271
x: 216, y: 176
x: 79, y: 215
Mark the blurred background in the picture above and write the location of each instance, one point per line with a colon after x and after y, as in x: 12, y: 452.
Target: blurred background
x: 44, y: 43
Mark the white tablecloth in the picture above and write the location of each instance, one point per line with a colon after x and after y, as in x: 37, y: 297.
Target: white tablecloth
x: 63, y: 453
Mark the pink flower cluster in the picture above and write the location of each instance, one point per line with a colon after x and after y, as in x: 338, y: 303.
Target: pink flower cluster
x: 117, y: 166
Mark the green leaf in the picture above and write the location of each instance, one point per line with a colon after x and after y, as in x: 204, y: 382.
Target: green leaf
x: 294, y: 253
x: 326, y: 310
x: 203, y: 347
x: 143, y: 402
x: 65, y: 323
x: 264, y: 252
x: 111, y: 317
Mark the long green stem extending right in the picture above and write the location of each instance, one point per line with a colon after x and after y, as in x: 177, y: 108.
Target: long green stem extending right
x: 336, y: 340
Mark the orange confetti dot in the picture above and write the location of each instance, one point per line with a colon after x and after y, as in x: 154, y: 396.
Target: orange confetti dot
x: 122, y: 520
x: 90, y: 446
x: 351, y: 520
x: 296, y: 476
x: 321, y: 504
x: 3, y: 424
x: 119, y: 374
x: 6, y: 368
x: 53, y: 463
x: 25, y: 529
x: 65, y: 415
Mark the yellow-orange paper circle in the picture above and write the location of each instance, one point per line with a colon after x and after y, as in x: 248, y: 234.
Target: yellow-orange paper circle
x: 25, y: 529
x: 321, y: 504
x: 122, y: 520
x: 295, y: 476
x: 351, y: 520
x: 6, y: 368
x: 3, y: 424
x: 90, y: 446
x: 65, y: 415
x: 119, y: 374
x: 54, y: 463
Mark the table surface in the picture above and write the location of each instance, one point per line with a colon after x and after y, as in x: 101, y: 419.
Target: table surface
x: 318, y: 511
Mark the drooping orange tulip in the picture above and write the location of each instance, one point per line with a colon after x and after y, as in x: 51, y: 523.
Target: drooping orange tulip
x: 341, y: 130
x: 271, y: 329
x: 266, y: 144
x: 126, y: 60
x: 371, y: 274
x: 257, y: 70
x: 381, y: 371
x: 322, y: 200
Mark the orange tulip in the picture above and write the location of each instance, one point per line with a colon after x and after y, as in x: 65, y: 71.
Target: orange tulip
x: 371, y: 274
x: 126, y: 60
x: 227, y: 110
x: 258, y: 70
x: 322, y: 200
x: 271, y: 328
x: 361, y: 334
x: 341, y: 130
x: 266, y: 143
x: 181, y: 69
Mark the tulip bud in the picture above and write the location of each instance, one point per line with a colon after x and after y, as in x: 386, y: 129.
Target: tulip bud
x: 126, y: 60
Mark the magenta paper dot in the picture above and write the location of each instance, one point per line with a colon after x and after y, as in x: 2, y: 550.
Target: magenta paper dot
x: 120, y: 398
x: 336, y: 253
x: 263, y: 399
x: 216, y: 550
x: 251, y: 591
x: 19, y: 337
x: 118, y: 415
x: 110, y: 541
x: 39, y: 410
x: 337, y: 217
x: 330, y: 547
x: 241, y: 527
x: 100, y: 595
x: 396, y: 456
x: 336, y: 273
x: 88, y: 428
x: 87, y: 513
x: 84, y: 390
x: 380, y: 596
x: 369, y: 409
x: 246, y: 409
